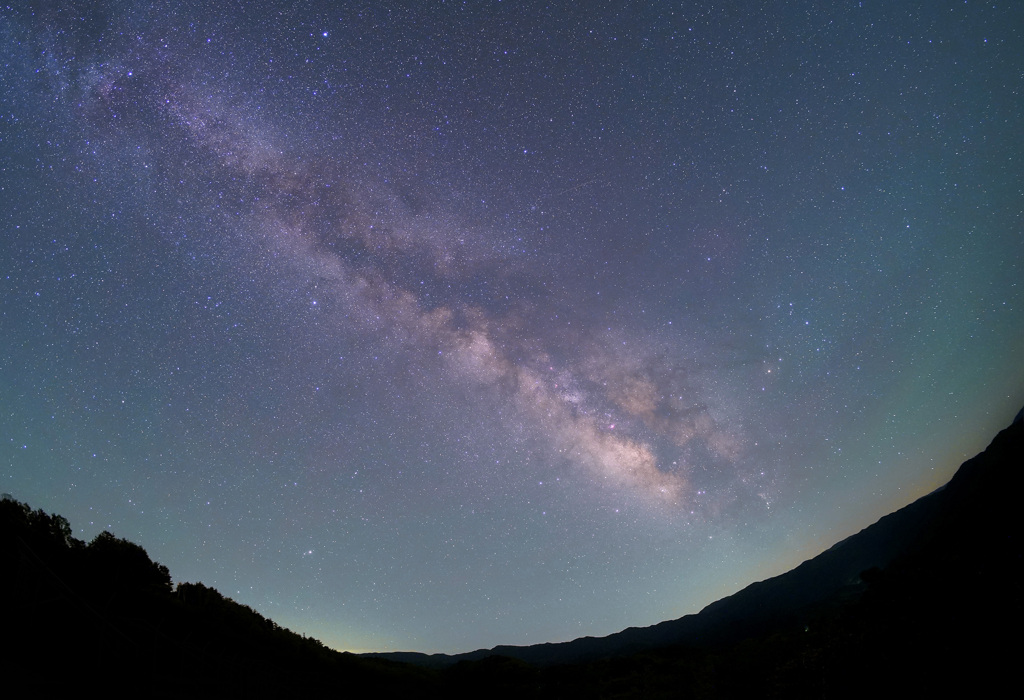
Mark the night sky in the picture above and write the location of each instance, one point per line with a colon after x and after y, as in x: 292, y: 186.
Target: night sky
x: 440, y: 325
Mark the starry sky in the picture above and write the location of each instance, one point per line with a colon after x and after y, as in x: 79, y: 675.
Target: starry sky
x: 439, y: 325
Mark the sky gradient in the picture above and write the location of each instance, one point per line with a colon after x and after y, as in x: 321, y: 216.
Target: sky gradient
x: 435, y: 326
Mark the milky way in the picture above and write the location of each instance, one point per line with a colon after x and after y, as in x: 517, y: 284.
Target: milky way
x: 442, y: 327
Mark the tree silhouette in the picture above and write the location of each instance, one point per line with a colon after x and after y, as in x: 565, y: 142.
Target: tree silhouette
x: 121, y: 565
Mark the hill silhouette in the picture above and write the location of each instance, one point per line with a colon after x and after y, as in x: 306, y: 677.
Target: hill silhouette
x: 925, y: 600
x: 921, y: 598
x: 104, y: 616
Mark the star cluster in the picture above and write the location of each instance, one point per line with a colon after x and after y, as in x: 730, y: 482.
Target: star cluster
x: 445, y: 325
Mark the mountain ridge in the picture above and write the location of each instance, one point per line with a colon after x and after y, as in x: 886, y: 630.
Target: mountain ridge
x: 788, y: 599
x: 927, y: 613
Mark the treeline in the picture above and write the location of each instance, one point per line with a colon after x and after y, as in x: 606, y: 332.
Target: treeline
x: 104, y: 615
x: 939, y: 619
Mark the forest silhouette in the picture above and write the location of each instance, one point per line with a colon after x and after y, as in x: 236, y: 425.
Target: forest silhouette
x: 932, y: 617
x: 104, y: 615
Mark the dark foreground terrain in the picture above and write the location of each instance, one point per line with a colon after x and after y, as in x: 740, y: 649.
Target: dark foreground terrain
x: 927, y: 599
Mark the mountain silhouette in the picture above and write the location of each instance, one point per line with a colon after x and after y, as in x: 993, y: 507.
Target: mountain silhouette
x: 926, y: 600
x: 952, y: 549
